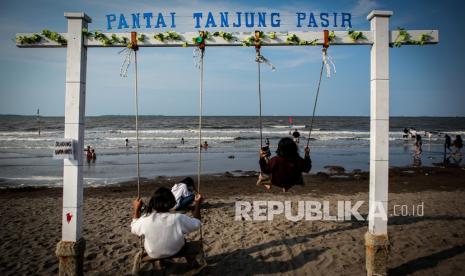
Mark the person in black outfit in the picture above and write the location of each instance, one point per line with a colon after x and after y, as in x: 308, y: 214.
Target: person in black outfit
x: 296, y: 135
x: 448, y: 142
x: 405, y: 132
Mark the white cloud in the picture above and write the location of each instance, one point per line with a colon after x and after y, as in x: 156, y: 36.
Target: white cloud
x: 364, y: 7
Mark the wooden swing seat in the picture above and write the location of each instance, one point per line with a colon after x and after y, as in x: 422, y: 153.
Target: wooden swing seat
x: 191, y: 248
x: 192, y: 251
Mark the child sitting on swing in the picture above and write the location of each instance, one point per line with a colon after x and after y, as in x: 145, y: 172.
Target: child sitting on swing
x: 285, y: 169
x: 164, y: 231
x: 184, y: 193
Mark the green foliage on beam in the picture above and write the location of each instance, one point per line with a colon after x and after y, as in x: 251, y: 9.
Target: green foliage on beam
x: 331, y: 36
x: 355, y: 35
x: 141, y: 38
x: 292, y: 39
x: 37, y: 38
x: 54, y: 36
x: 225, y: 35
x: 170, y: 35
x: 405, y: 38
x: 32, y: 39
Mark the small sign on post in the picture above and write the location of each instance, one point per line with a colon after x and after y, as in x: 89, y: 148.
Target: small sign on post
x: 64, y: 149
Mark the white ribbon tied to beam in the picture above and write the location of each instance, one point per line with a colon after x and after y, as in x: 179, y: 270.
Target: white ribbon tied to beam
x: 328, y: 62
x: 262, y: 59
x: 123, y: 72
x: 196, y: 55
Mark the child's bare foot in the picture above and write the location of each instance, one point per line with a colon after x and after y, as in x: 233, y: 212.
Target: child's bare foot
x: 267, y: 186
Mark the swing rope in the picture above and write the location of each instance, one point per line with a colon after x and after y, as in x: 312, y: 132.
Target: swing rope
x: 129, y: 51
x: 199, y: 163
x: 199, y: 54
x: 326, y: 62
x: 136, y: 107
x: 257, y: 59
x: 314, y: 105
x: 260, y: 59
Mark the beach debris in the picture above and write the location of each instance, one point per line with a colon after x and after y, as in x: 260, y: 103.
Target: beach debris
x: 335, y: 169
x: 409, y: 172
x: 91, y: 256
x: 322, y: 174
x: 339, y: 176
x: 228, y: 174
x: 251, y: 173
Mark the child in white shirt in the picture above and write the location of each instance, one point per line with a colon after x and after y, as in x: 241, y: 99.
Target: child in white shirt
x: 184, y: 193
x: 164, y: 231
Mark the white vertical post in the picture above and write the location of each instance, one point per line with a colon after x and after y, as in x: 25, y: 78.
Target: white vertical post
x: 70, y: 250
x: 376, y: 237
x: 379, y: 118
x: 76, y: 63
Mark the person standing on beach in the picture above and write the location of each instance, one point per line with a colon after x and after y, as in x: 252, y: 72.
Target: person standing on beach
x: 406, y: 131
x: 296, y: 135
x: 127, y: 142
x: 418, y: 146
x: 164, y: 231
x: 89, y: 154
x: 285, y: 169
x: 205, y: 145
x: 182, y: 141
x: 458, y: 144
x: 413, y: 133
x: 94, y: 155
x: 417, y: 151
x: 429, y: 135
x: 447, y: 143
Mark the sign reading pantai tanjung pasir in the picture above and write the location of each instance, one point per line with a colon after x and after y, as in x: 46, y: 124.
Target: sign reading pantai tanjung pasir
x: 226, y: 19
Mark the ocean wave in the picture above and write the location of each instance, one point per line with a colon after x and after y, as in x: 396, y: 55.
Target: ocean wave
x: 289, y: 126
x: 31, y: 133
x: 53, y: 182
x: 28, y: 139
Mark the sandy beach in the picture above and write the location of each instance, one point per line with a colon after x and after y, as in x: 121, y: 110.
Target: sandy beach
x: 358, y: 103
x: 432, y: 244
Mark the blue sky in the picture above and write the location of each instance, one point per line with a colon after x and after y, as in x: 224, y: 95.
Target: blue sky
x: 425, y: 81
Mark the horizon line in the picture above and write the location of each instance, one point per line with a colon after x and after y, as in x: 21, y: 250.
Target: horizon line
x: 159, y: 115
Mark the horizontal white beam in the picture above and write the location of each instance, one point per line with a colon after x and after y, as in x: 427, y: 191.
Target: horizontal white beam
x: 341, y: 38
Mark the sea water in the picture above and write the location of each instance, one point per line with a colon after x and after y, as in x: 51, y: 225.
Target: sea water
x: 234, y: 142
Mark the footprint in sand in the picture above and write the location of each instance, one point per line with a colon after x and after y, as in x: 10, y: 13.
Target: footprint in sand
x: 91, y: 256
x: 117, y: 246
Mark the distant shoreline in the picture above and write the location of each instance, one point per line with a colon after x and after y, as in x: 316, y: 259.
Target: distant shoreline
x: 232, y: 116
x: 330, y: 175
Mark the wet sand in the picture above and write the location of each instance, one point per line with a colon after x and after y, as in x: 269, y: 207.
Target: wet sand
x: 432, y: 244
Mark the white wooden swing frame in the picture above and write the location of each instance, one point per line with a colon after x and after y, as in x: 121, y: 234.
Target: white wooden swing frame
x: 379, y: 37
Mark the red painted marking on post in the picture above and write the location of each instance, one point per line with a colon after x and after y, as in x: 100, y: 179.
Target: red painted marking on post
x: 68, y: 217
